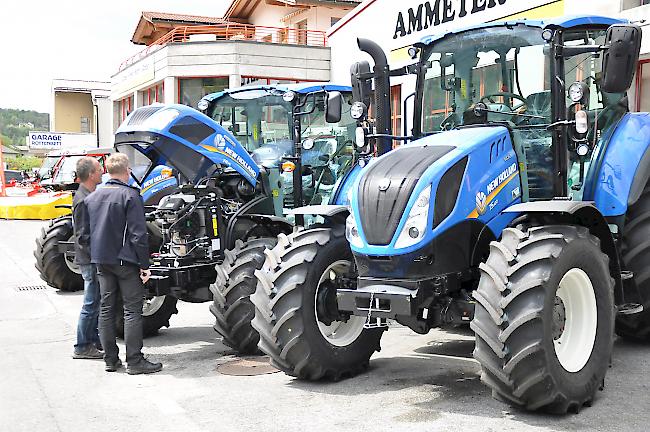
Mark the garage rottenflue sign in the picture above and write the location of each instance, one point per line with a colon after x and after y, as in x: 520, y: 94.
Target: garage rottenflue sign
x: 435, y: 12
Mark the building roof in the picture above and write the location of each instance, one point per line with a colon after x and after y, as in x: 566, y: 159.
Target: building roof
x: 154, y: 25
x: 241, y: 10
x: 9, y: 151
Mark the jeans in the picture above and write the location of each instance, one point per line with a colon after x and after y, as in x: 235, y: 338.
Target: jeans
x: 121, y: 285
x: 87, y: 333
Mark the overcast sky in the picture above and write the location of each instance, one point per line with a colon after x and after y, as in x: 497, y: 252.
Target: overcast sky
x: 44, y: 39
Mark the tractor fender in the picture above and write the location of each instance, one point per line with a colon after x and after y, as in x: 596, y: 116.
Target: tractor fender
x: 582, y: 213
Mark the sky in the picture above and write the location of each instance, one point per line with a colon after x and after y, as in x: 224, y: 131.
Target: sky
x: 43, y: 39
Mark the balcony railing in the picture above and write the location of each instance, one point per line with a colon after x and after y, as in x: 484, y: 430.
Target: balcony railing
x: 233, y: 31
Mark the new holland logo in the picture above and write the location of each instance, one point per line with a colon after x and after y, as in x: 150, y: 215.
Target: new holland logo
x: 481, y: 202
x: 220, y: 141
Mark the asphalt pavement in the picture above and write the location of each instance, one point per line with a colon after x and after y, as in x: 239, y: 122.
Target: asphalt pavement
x: 416, y: 383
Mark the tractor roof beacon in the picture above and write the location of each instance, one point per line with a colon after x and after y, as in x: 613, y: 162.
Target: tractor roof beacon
x: 243, y: 161
x: 496, y: 214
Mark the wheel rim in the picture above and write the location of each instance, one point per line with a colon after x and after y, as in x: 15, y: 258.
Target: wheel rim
x: 339, y: 333
x: 152, y: 305
x: 69, y: 261
x: 575, y: 319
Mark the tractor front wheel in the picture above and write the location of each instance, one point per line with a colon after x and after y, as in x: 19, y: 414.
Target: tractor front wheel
x: 544, y: 318
x: 293, y: 302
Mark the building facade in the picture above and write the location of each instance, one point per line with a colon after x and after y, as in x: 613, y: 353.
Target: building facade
x: 81, y: 114
x: 256, y: 42
x: 396, y: 26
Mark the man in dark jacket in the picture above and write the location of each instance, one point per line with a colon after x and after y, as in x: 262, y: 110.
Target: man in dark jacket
x: 119, y: 247
x: 89, y: 173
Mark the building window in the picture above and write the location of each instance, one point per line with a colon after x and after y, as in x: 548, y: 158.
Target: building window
x: 191, y: 90
x: 333, y: 21
x: 629, y: 4
x: 301, y: 29
x: 85, y: 125
x: 152, y: 94
x: 251, y: 81
x: 396, y: 111
x: 125, y: 106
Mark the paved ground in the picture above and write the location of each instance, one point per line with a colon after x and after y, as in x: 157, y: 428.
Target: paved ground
x: 417, y: 383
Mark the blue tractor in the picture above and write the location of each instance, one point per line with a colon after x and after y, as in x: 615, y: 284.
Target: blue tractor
x: 248, y: 157
x: 520, y: 207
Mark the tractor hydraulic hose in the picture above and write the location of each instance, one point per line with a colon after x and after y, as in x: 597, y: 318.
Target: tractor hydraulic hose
x: 382, y: 93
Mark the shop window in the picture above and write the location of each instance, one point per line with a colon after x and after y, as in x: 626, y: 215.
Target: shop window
x: 643, y: 86
x: 191, y: 90
x: 250, y: 81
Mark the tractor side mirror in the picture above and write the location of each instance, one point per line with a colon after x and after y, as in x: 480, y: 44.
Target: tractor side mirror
x: 361, y: 86
x: 621, y: 57
x: 333, y: 107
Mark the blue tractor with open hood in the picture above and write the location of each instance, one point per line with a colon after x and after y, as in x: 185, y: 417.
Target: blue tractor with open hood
x: 242, y: 162
x: 520, y: 207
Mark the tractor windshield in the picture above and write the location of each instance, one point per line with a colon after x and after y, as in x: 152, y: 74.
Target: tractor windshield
x: 45, y: 171
x: 67, y: 171
x: 506, y: 68
x: 256, y: 117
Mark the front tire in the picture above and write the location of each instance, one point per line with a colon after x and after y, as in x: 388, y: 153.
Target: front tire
x: 289, y: 306
x: 54, y: 267
x: 544, y: 318
x: 156, y: 313
x: 232, y: 307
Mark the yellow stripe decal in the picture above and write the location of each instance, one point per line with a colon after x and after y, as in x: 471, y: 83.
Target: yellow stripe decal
x: 474, y: 214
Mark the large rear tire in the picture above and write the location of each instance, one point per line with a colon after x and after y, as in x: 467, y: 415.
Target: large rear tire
x: 544, y: 318
x: 635, y: 252
x: 289, y: 304
x: 54, y: 267
x: 236, y: 281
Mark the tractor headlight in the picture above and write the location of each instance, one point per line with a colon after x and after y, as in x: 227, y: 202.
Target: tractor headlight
x: 289, y: 96
x: 203, y: 105
x: 352, y: 232
x: 416, y: 223
x: 358, y: 110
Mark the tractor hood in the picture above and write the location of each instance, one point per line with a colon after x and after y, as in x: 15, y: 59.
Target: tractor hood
x: 182, y: 138
x: 456, y: 167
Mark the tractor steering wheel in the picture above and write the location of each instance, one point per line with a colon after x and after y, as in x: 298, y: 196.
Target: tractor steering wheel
x: 490, y: 98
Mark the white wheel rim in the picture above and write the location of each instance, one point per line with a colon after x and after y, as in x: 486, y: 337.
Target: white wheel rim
x: 574, y: 345
x: 338, y: 333
x: 69, y: 261
x: 152, y: 305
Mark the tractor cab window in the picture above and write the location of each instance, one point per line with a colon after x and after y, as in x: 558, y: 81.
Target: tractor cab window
x: 504, y: 68
x: 45, y: 171
x: 327, y: 149
x: 506, y: 71
x: 258, y: 118
x: 604, y: 110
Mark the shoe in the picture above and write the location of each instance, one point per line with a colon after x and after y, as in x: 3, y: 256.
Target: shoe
x: 144, y: 366
x: 112, y: 367
x: 90, y: 353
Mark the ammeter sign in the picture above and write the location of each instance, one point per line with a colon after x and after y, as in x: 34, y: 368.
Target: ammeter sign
x: 44, y: 141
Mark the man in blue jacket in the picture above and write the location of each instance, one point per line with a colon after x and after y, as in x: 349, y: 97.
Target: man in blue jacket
x: 119, y: 247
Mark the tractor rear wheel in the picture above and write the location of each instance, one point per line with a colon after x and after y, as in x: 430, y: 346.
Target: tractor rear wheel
x: 544, y: 318
x: 635, y: 252
x: 54, y: 267
x: 232, y: 307
x: 296, y: 329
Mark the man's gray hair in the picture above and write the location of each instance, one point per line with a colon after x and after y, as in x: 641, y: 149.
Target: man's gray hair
x: 85, y: 167
x: 117, y: 163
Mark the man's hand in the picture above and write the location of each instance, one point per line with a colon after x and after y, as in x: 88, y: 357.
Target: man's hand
x: 145, y: 275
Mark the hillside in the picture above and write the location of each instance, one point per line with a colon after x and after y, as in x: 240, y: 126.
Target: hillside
x: 15, y: 125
